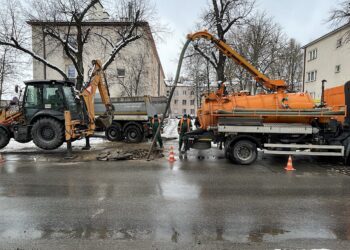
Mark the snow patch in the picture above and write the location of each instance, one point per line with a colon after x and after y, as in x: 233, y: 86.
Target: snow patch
x: 30, y: 146
x: 170, y: 129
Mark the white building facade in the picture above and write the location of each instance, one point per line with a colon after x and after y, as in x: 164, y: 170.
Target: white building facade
x: 327, y: 58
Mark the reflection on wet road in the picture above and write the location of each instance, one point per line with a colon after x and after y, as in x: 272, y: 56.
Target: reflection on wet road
x: 188, y: 201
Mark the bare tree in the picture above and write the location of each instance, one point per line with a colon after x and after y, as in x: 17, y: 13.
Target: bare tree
x: 198, y: 73
x: 341, y: 14
x: 289, y: 65
x: 134, y: 78
x: 220, y: 18
x: 260, y: 41
x: 14, y: 34
x: 6, y: 69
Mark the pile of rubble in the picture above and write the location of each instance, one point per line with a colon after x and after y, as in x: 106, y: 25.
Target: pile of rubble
x: 119, y: 155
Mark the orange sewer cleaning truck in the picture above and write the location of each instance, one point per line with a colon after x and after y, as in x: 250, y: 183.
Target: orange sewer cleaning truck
x: 276, y: 121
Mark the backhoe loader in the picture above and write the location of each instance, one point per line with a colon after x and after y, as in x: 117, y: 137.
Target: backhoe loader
x: 53, y: 112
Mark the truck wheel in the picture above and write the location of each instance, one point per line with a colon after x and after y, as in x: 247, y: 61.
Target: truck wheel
x: 114, y: 132
x: 4, y: 138
x: 133, y: 134
x: 244, y: 152
x: 48, y: 133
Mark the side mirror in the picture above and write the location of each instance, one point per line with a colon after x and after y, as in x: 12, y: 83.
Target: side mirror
x: 16, y: 89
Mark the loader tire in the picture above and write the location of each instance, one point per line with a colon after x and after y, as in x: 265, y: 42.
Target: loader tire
x: 48, y: 133
x: 4, y: 138
x: 114, y: 132
x: 244, y: 152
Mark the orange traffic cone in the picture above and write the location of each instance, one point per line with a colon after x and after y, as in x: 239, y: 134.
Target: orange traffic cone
x: 171, y: 155
x: 289, y: 166
x: 2, y: 159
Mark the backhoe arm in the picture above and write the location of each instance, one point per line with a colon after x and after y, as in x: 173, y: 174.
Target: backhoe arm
x: 274, y: 85
x: 97, y: 82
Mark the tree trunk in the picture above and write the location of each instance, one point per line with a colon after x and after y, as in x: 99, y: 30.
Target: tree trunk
x: 79, y: 57
x: 3, y: 72
x: 220, y: 70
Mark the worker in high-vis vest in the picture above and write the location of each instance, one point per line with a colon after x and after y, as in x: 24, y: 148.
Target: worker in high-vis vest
x: 184, y: 126
x: 155, y: 122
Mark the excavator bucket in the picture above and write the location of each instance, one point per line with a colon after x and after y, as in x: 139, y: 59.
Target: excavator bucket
x: 104, y: 121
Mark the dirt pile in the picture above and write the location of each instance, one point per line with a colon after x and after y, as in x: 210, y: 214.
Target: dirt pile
x: 119, y: 155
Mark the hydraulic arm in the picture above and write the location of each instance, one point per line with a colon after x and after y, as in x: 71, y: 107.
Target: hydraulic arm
x: 274, y: 85
x: 97, y: 81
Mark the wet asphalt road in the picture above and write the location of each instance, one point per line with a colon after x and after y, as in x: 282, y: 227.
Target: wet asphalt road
x: 192, y: 203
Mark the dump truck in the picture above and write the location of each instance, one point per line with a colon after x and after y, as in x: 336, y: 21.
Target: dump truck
x: 131, y: 117
x: 276, y: 121
x: 53, y: 112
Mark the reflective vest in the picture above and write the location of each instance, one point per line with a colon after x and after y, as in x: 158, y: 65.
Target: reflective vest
x: 152, y: 120
x: 179, y: 127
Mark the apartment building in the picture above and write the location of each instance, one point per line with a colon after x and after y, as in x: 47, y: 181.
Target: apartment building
x: 327, y: 58
x: 137, y: 66
x: 184, y: 100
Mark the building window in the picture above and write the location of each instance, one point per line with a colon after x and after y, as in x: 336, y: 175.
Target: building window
x: 121, y: 73
x: 192, y: 92
x: 184, y: 92
x: 175, y: 102
x: 313, y: 54
x: 312, y: 76
x: 192, y: 112
x: 176, y: 93
x: 337, y: 68
x: 184, y: 111
x: 339, y: 42
x: 184, y: 102
x: 192, y: 102
x: 71, y: 72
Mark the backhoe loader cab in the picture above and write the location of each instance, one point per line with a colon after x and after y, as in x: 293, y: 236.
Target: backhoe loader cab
x: 49, y: 98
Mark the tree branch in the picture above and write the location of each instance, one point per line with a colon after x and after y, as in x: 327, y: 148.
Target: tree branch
x: 118, y: 48
x: 17, y: 46
x: 205, y: 56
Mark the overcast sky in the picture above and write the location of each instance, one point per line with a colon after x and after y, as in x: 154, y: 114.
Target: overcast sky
x: 303, y: 20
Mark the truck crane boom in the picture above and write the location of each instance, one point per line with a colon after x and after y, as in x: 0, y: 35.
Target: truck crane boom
x: 274, y: 85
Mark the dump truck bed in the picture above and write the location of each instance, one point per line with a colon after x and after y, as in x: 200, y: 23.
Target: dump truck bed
x: 133, y: 108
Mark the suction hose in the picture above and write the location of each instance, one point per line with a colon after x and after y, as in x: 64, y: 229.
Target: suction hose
x: 177, y: 76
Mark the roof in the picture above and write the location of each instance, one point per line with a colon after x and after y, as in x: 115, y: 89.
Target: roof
x: 327, y: 35
x: 38, y: 82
